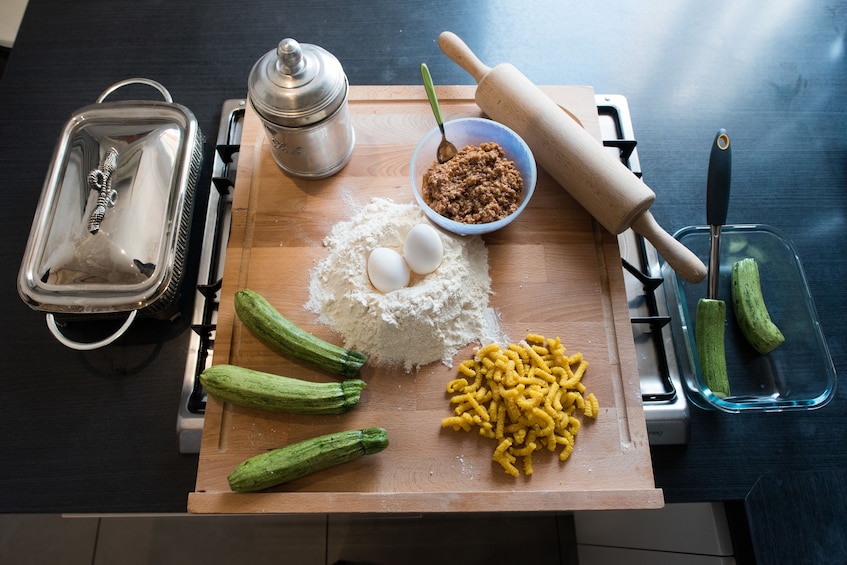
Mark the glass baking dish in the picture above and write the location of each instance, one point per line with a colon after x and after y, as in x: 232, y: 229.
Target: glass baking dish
x: 797, y: 375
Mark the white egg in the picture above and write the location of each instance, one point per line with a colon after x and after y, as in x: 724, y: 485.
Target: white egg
x: 423, y: 249
x: 387, y: 270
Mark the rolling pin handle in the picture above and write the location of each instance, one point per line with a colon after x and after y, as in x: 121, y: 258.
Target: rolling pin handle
x: 461, y: 54
x: 682, y: 259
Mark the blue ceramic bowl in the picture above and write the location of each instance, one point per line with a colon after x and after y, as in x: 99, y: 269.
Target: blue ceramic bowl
x: 474, y: 131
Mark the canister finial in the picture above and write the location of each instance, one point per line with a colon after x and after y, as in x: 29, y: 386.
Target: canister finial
x: 290, y: 57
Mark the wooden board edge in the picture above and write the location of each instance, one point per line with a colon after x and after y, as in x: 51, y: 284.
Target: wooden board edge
x: 398, y: 503
x: 627, y: 387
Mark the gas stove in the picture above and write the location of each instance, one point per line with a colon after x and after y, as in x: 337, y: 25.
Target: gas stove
x: 665, y: 406
x: 204, y: 320
x: 666, y: 409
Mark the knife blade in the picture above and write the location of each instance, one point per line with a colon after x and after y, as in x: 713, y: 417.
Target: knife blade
x: 717, y: 203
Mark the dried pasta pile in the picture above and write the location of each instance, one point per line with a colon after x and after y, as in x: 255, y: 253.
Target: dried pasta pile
x: 524, y: 396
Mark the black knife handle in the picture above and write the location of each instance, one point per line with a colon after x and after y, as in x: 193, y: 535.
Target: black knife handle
x: 717, y: 184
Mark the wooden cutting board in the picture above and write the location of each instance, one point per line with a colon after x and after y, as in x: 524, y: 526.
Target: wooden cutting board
x: 554, y: 271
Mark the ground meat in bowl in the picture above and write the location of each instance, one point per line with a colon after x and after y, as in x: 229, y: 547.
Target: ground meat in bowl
x: 477, y: 186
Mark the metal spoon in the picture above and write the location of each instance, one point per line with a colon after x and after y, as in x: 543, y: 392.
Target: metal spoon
x: 446, y: 150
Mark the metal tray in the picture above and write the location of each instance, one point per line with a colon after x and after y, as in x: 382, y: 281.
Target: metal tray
x: 110, y: 232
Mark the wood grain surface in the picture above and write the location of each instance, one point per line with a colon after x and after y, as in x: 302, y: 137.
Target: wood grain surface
x: 555, y: 271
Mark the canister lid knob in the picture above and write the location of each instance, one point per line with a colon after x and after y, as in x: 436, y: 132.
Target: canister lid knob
x: 290, y: 57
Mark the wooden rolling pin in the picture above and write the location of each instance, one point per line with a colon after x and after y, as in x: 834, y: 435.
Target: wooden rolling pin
x: 603, y: 185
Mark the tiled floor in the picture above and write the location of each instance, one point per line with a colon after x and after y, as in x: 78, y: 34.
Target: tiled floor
x: 690, y: 534
x: 302, y: 540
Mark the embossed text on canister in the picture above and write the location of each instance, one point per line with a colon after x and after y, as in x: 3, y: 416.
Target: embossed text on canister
x: 300, y: 93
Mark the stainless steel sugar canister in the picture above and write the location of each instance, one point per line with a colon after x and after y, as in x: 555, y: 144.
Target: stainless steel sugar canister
x: 300, y: 93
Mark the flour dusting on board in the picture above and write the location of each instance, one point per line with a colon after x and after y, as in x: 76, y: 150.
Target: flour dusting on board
x: 428, y: 321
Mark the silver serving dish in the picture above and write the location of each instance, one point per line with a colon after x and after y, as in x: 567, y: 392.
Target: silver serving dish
x: 111, y: 229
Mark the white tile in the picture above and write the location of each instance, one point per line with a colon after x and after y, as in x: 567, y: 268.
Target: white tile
x: 11, y: 14
x: 46, y: 538
x: 203, y: 540
x: 688, y: 528
x: 468, y: 539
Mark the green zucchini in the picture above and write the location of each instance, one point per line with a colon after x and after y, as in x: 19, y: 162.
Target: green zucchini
x: 281, y: 334
x: 304, y: 458
x: 266, y: 391
x: 750, y: 310
x: 709, y: 338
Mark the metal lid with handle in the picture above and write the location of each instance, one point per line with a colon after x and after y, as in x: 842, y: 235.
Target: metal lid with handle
x: 297, y: 84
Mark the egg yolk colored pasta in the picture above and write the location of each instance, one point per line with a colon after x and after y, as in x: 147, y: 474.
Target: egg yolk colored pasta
x: 525, y: 397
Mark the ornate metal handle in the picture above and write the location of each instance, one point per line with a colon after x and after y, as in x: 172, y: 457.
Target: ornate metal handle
x: 149, y: 82
x: 53, y: 326
x: 100, y: 179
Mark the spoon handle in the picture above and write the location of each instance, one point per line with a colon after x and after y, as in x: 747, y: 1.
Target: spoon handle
x: 430, y: 92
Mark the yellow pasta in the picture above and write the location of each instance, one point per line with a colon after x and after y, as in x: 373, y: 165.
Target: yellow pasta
x: 456, y: 385
x: 595, y: 406
x: 466, y: 368
x: 524, y: 396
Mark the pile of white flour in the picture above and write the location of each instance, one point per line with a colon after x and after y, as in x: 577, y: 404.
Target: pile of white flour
x: 430, y: 320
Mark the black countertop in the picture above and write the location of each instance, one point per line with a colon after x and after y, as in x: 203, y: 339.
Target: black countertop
x: 94, y: 432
